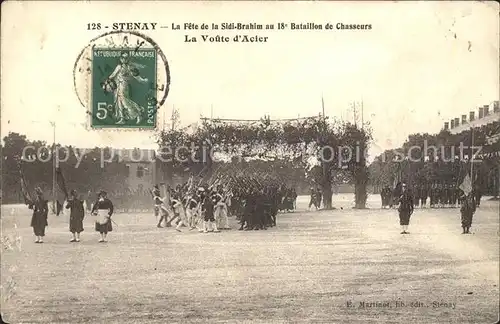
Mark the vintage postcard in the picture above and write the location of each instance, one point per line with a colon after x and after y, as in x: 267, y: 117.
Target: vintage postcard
x: 250, y: 162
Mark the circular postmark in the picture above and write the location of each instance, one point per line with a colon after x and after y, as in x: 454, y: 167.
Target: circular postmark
x: 121, y: 78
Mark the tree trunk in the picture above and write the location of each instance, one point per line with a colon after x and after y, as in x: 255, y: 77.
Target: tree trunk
x: 326, y: 186
x: 360, y: 192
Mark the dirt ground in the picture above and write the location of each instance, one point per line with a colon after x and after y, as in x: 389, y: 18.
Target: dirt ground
x: 314, y: 267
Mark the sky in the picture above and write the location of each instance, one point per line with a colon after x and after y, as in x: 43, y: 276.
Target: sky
x: 420, y: 65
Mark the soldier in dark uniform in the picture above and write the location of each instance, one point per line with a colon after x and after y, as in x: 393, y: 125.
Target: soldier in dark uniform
x: 293, y: 195
x: 77, y: 213
x: 467, y: 210
x: 103, y: 209
x: 248, y: 209
x: 258, y: 213
x: 477, y: 195
x: 385, y: 195
x: 432, y: 195
x: 454, y: 193
x: 445, y: 196
x: 274, y: 205
x: 40, y: 213
x: 424, y: 193
x: 312, y: 200
x: 439, y: 194
x: 208, y: 210
x: 416, y: 195
x: 405, y: 209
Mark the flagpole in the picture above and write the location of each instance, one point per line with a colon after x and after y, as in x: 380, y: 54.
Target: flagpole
x: 472, y: 156
x: 323, y: 105
x: 54, y: 167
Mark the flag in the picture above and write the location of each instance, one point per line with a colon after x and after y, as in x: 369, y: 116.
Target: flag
x: 466, y: 185
x: 61, y: 183
x: 25, y: 191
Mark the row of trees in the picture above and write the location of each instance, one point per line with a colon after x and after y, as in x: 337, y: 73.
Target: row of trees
x: 336, y: 147
x: 312, y: 150
x: 37, y: 167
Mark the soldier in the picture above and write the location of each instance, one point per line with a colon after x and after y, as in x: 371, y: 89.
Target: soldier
x: 405, y: 209
x: 258, y: 214
x: 319, y: 196
x: 294, y: 195
x: 77, y: 213
x: 220, y: 210
x: 424, y: 193
x: 383, y: 197
x: 160, y: 207
x: 103, y: 209
x: 467, y: 210
x: 209, y: 219
x: 416, y: 191
x: 248, y: 210
x: 156, y: 193
x: 40, y: 213
x: 191, y: 211
x: 477, y: 195
x: 441, y: 197
x: 178, y: 211
x: 312, y: 200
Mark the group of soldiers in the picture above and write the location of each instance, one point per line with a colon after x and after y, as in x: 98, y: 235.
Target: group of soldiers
x: 438, y: 195
x: 441, y: 196
x: 206, y: 207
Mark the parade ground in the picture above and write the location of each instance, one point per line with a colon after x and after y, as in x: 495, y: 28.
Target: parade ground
x: 340, y: 266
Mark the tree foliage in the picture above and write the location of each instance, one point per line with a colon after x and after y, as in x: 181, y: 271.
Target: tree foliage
x: 337, y: 145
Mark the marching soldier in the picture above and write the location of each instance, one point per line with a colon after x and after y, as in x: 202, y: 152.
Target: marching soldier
x: 191, y: 212
x: 178, y: 212
x: 220, y: 210
x: 405, y: 209
x: 209, y: 219
x: 40, y: 213
x: 467, y: 210
x: 103, y: 209
x: 77, y: 213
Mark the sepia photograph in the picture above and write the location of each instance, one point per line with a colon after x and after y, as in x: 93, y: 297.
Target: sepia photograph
x: 250, y: 162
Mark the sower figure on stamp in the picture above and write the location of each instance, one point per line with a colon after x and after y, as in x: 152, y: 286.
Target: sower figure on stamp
x: 40, y: 213
x: 405, y: 208
x: 77, y: 213
x: 125, y: 107
x: 103, y: 209
x: 467, y: 210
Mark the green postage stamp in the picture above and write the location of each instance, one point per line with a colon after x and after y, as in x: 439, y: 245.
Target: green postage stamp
x: 123, y: 90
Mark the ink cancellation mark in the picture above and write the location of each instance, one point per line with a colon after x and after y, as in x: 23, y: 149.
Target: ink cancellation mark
x: 118, y: 78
